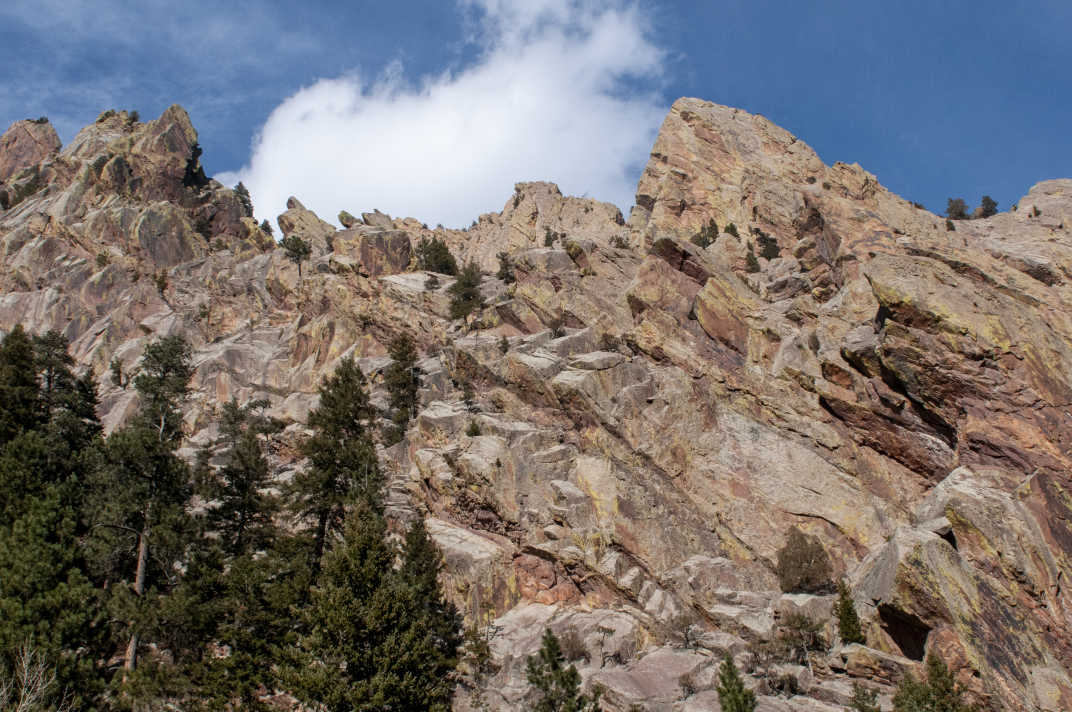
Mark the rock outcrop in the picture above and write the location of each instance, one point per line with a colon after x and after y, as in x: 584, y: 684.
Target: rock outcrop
x: 653, y: 416
x: 25, y: 144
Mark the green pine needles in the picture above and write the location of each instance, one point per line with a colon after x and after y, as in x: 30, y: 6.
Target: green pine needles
x: 848, y: 621
x: 465, y: 293
x: 732, y: 695
x: 937, y: 692
x: 402, y: 378
x: 378, y: 637
x: 434, y: 256
x: 557, y: 685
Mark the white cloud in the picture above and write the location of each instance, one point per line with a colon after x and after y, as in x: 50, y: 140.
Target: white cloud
x: 546, y: 99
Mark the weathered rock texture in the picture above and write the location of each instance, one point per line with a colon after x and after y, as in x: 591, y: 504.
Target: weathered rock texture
x: 660, y: 416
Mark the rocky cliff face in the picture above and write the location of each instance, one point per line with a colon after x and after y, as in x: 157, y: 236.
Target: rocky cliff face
x: 662, y: 414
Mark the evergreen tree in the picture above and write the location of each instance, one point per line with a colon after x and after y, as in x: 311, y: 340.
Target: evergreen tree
x: 506, y: 269
x: 707, y: 234
x: 403, y: 381
x: 141, y: 492
x: 558, y: 686
x: 939, y: 692
x: 338, y: 659
x: 18, y: 384
x: 465, y: 292
x: 242, y: 193
x: 848, y: 620
x: 46, y: 596
x: 342, y: 457
x: 243, y: 510
x: 297, y: 250
x: 988, y: 207
x: 750, y: 261
x: 956, y: 209
x: 732, y: 695
x: 434, y: 256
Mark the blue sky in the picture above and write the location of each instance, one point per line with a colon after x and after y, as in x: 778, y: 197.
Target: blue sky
x: 434, y: 109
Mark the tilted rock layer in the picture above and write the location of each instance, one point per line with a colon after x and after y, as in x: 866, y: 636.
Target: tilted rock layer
x: 654, y: 416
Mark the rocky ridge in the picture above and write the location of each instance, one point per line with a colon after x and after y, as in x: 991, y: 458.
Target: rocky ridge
x: 662, y: 413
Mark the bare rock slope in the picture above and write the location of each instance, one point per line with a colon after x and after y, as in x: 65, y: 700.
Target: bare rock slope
x: 654, y: 416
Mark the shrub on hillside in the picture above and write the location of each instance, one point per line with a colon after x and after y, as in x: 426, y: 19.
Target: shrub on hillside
x: 956, y: 209
x: 937, y: 692
x: 803, y: 564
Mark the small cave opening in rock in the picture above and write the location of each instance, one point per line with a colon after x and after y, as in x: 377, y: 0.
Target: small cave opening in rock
x: 908, y: 631
x: 950, y: 537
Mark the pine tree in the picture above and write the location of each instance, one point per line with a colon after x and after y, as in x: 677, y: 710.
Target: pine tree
x: 465, y: 293
x: 18, y: 384
x: 342, y: 458
x: 707, y: 234
x: 434, y: 256
x: 956, y: 209
x: 421, y: 649
x: 938, y: 692
x: 242, y: 193
x: 558, y: 687
x: 506, y: 269
x: 297, y: 250
x: 243, y: 510
x: 848, y: 620
x: 988, y: 207
x: 338, y: 658
x: 732, y: 695
x: 45, y: 594
x: 750, y: 261
x: 141, y: 492
x: 402, y: 379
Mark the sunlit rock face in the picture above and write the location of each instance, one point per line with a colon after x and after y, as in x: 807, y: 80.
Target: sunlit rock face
x: 654, y: 415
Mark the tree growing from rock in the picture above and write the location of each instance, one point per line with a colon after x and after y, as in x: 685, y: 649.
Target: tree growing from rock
x: 297, y: 250
x: 803, y: 565
x: 751, y: 264
x: 402, y: 378
x: 732, y: 695
x: 848, y: 621
x: 242, y: 193
x: 937, y: 692
x: 558, y: 686
x: 434, y: 256
x: 707, y: 234
x: 465, y: 293
x: 988, y: 207
x: 506, y: 269
x: 956, y: 209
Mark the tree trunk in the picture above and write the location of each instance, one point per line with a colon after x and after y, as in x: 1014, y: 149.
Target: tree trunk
x: 131, y: 657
